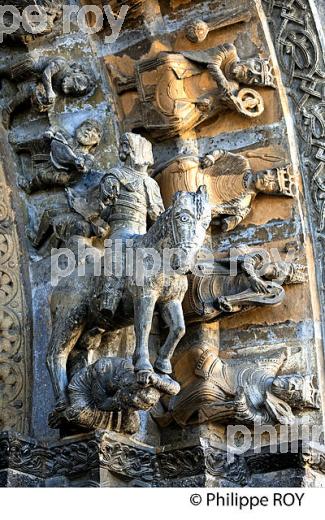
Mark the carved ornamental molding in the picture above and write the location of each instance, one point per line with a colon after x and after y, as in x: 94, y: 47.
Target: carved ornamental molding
x: 300, y: 52
x: 14, y: 329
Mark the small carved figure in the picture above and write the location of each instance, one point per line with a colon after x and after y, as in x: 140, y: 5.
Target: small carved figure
x: 197, y: 30
x: 65, y: 167
x: 41, y: 80
x: 107, y: 395
x: 236, y: 185
x: 69, y: 159
x: 231, y: 183
x: 186, y: 105
x: 75, y: 305
x: 245, y: 390
x: 257, y: 282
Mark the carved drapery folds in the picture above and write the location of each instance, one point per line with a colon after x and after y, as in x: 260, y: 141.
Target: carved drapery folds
x: 200, y: 86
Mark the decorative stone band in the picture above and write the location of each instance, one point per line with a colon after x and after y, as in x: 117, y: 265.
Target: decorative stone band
x: 300, y: 51
x: 14, y: 315
x: 82, y: 460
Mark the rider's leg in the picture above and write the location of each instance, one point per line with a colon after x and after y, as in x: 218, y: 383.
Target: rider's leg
x: 172, y: 313
x: 65, y: 334
x: 144, y: 306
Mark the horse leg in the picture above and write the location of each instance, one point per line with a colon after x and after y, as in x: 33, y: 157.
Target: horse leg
x: 65, y: 334
x: 144, y: 306
x: 172, y: 314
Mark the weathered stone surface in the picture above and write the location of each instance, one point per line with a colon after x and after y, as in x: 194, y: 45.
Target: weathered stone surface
x: 226, y: 98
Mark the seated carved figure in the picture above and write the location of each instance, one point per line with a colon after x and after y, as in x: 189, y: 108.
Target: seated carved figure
x: 231, y: 182
x: 107, y: 395
x: 41, y: 80
x: 188, y: 104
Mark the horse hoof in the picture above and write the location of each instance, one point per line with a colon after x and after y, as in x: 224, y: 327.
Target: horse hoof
x: 143, y: 365
x: 163, y: 365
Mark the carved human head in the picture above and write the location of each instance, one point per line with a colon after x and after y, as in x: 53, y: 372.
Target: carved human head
x: 254, y: 72
x: 285, y: 272
x: 130, y: 394
x: 136, y: 148
x: 297, y: 390
x: 144, y: 398
x: 267, y: 182
x: 76, y: 81
x: 197, y: 31
x: 89, y: 133
x: 276, y: 181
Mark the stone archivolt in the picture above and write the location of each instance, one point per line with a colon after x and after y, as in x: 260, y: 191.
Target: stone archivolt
x: 14, y: 337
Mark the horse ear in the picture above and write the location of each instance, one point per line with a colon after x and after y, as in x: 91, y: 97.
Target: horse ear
x: 177, y: 195
x: 202, y: 190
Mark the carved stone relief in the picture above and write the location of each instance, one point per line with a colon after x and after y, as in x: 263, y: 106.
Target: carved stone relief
x: 230, y: 182
x: 206, y: 164
x: 51, y: 9
x: 228, y: 85
x: 300, y: 53
x: 244, y: 391
x: 14, y: 322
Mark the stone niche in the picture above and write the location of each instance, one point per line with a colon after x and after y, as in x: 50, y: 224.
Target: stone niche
x: 229, y: 94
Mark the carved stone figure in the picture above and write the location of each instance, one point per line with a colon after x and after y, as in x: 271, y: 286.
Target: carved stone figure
x: 197, y: 30
x: 64, y: 166
x: 69, y: 157
x: 194, y: 87
x: 41, y: 80
x: 185, y: 106
x: 75, y: 305
x: 50, y: 10
x: 257, y: 282
x: 245, y: 390
x: 130, y: 199
x: 106, y: 395
x: 231, y: 182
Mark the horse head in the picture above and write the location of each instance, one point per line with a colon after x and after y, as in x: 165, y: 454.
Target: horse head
x: 189, y: 219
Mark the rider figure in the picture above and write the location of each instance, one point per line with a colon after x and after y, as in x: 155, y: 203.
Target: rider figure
x: 130, y: 198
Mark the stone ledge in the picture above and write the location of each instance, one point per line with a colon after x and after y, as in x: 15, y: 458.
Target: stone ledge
x: 102, y: 459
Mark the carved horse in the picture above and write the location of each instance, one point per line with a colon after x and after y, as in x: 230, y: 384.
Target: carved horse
x: 75, y: 310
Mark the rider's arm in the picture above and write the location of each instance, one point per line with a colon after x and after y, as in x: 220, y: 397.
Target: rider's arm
x: 155, y: 203
x: 109, y: 189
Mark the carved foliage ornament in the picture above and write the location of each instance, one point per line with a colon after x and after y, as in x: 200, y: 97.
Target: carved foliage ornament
x: 13, y: 357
